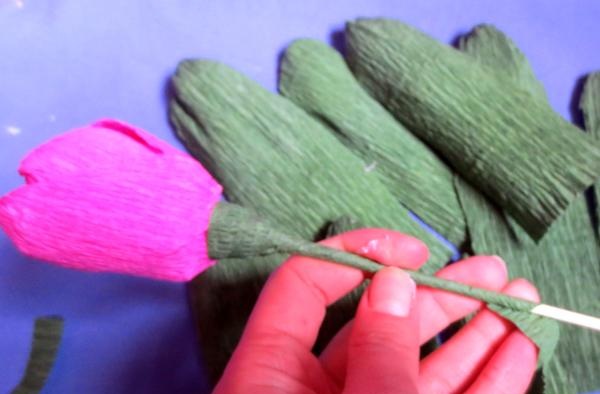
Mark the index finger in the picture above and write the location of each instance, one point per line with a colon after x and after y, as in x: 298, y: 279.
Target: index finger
x: 293, y: 303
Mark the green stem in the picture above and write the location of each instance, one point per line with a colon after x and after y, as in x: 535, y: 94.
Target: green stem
x: 236, y: 232
x: 318, y: 251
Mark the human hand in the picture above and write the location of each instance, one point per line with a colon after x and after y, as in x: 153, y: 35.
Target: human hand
x: 378, y: 352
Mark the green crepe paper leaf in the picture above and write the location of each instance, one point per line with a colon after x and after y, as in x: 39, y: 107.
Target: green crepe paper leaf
x: 564, y: 265
x: 47, y: 334
x: 316, y: 78
x: 590, y: 104
x: 493, y: 48
x: 497, y: 135
x: 274, y: 158
x: 590, y: 107
x: 542, y: 331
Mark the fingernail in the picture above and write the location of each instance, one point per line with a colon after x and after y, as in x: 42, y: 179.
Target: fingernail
x: 392, y: 292
x: 500, y: 262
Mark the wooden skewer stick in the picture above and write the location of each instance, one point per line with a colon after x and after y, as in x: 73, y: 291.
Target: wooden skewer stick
x: 567, y: 316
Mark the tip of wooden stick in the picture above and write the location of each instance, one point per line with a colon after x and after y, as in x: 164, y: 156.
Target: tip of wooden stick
x: 567, y: 316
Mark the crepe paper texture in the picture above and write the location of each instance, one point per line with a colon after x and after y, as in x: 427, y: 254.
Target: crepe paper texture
x: 316, y: 78
x: 228, y: 230
x: 111, y: 197
x: 558, y: 268
x: 238, y: 232
x: 590, y: 104
x: 47, y: 334
x: 563, y: 265
x: 544, y: 332
x: 492, y: 48
x: 496, y: 134
x: 590, y: 107
x: 221, y: 300
x: 273, y: 157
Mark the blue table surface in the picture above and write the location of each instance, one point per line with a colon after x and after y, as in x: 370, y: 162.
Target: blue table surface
x: 65, y: 63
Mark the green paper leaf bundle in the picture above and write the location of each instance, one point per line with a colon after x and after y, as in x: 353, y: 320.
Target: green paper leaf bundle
x: 467, y: 141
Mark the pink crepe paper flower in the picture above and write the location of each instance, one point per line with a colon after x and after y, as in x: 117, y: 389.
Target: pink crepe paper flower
x: 112, y: 197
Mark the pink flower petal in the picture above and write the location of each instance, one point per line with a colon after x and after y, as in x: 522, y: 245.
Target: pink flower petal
x: 111, y: 197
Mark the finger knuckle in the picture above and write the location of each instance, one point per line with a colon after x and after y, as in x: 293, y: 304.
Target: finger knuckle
x: 378, y: 342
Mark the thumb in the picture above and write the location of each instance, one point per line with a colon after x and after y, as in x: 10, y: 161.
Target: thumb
x: 383, y: 349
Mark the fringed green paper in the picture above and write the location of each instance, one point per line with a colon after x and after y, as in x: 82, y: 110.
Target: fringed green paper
x: 270, y: 156
x: 564, y: 265
x: 495, y: 133
x: 316, y: 78
x: 47, y: 334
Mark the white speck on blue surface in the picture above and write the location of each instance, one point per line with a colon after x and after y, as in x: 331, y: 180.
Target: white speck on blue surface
x: 12, y: 130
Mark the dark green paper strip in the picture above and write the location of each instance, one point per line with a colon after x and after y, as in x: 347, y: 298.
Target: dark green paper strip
x: 564, y: 265
x: 316, y: 78
x: 47, y: 334
x: 495, y: 133
x: 270, y: 156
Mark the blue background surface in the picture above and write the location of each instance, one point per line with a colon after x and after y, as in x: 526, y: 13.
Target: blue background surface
x: 65, y: 63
